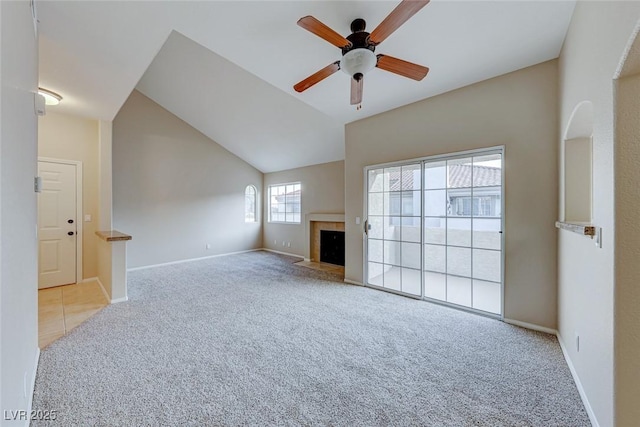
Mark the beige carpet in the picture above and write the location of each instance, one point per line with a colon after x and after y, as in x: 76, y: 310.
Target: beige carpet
x: 252, y: 339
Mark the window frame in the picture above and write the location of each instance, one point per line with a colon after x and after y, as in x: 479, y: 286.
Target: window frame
x: 269, y: 209
x: 255, y: 204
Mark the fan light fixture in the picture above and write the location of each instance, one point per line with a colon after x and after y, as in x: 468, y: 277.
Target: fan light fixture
x: 358, y: 47
x: 358, y: 62
x: 50, y: 97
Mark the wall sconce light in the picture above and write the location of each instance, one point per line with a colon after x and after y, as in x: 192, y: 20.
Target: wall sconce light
x: 50, y: 98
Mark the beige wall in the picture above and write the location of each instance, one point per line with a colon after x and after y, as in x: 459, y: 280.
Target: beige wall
x: 67, y: 137
x: 18, y: 246
x: 105, y: 271
x: 577, y: 179
x: 105, y: 172
x: 627, y: 238
x: 175, y: 190
x: 591, y: 53
x: 627, y: 293
x: 517, y: 110
x: 322, y: 192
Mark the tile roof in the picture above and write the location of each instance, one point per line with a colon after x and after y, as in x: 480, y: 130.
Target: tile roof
x: 459, y: 177
x: 483, y: 176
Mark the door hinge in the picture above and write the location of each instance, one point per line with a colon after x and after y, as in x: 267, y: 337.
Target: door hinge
x: 37, y: 184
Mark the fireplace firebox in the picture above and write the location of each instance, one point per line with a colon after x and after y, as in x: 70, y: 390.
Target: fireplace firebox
x: 332, y: 247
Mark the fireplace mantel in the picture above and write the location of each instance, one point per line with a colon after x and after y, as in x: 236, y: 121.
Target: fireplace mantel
x: 318, y: 217
x: 324, y: 217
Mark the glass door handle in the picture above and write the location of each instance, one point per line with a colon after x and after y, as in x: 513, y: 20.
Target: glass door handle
x: 366, y: 227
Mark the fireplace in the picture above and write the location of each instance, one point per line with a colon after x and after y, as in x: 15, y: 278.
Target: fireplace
x: 317, y: 223
x: 332, y: 247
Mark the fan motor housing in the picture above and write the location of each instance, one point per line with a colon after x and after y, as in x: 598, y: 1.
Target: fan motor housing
x: 359, y: 38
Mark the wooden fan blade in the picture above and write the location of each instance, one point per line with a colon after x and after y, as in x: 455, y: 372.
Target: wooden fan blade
x: 401, y: 14
x: 356, y: 91
x: 317, y: 77
x: 311, y: 24
x: 403, y: 68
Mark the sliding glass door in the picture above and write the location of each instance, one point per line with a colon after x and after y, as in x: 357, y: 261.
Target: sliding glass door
x: 435, y: 229
x: 394, y: 206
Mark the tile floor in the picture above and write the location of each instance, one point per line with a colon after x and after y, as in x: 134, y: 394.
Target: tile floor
x: 62, y: 308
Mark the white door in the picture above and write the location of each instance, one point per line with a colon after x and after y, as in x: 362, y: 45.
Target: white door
x: 57, y: 224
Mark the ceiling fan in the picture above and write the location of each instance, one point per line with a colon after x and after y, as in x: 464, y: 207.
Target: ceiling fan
x: 358, y: 49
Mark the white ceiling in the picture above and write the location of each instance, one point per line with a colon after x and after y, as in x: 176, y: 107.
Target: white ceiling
x: 227, y: 68
x: 256, y: 121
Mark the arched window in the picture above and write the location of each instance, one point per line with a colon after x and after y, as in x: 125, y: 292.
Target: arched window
x: 250, y: 196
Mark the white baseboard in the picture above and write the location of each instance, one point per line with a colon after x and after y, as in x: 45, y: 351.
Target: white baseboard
x: 104, y: 291
x: 576, y: 380
x: 531, y: 326
x: 307, y: 259
x: 282, y: 253
x: 33, y: 384
x: 144, y: 267
x: 353, y: 282
x: 117, y: 300
x: 106, y: 295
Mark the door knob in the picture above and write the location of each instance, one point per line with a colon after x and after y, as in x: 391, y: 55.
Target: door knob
x: 70, y: 221
x: 70, y: 233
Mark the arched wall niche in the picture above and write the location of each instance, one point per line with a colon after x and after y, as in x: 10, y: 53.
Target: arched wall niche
x: 578, y: 165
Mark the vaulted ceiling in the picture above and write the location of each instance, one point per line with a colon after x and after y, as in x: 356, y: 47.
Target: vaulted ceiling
x: 228, y: 67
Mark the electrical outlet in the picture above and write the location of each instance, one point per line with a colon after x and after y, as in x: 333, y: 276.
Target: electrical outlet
x: 283, y: 243
x: 288, y: 244
x: 275, y: 242
x: 207, y: 246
